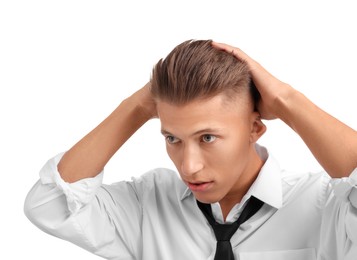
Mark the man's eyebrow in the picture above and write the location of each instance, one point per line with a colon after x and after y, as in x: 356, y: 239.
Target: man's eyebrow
x: 164, y: 132
x: 205, y: 130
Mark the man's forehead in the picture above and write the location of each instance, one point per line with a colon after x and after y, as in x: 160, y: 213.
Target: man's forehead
x: 201, y: 117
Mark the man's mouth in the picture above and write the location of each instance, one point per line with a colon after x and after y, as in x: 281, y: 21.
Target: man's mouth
x: 199, y: 186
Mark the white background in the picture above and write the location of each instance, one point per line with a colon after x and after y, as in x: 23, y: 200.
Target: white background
x: 65, y: 65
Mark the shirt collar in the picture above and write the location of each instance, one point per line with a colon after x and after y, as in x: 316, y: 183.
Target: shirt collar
x: 267, y: 187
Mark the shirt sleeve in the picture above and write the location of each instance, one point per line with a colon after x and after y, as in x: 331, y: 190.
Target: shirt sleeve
x: 339, y: 222
x: 103, y: 219
x: 78, y: 193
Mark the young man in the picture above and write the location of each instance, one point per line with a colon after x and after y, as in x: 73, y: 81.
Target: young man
x: 211, y: 120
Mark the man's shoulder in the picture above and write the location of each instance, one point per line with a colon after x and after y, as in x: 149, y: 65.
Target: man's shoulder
x: 159, y: 182
x: 293, y: 178
x: 159, y: 178
x: 158, y: 175
x: 156, y: 182
x: 309, y: 187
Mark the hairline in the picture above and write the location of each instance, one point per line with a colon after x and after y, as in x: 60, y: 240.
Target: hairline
x: 229, y: 97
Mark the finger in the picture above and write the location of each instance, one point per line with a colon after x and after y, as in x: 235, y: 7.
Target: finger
x: 240, y: 55
x: 222, y: 46
x: 236, y: 52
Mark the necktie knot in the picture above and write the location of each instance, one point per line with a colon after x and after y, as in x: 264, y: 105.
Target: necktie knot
x: 224, y: 232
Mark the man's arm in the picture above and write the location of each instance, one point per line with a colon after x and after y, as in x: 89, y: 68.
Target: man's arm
x: 88, y: 157
x: 333, y: 143
x: 103, y: 219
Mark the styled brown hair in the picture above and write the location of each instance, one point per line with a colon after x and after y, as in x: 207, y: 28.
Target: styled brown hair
x: 194, y: 69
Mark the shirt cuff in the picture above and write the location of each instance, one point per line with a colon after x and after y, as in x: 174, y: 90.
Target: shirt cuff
x: 78, y: 193
x: 346, y: 188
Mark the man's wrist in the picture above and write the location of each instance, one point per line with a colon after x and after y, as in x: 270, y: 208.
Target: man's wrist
x: 144, y: 103
x: 286, y: 104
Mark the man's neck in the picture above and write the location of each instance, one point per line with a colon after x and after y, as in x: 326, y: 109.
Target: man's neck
x: 244, y: 182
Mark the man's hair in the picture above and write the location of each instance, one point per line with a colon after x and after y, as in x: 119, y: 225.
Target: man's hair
x: 196, y: 70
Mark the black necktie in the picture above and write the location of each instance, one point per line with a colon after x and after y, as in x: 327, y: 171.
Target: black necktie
x: 224, y: 232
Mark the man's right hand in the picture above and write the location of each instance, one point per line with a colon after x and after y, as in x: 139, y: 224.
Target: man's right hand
x: 145, y: 101
x: 88, y: 157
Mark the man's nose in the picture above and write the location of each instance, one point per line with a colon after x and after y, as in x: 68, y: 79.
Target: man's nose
x: 192, y: 161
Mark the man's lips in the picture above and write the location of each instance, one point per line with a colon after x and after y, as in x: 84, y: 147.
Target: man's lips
x: 199, y: 186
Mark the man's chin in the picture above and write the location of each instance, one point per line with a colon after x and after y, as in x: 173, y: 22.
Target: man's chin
x: 206, y: 199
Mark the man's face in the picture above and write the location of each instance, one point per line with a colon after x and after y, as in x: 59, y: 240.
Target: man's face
x: 211, y: 143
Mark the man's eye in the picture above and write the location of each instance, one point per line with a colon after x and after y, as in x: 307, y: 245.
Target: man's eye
x: 171, y: 139
x: 208, y: 138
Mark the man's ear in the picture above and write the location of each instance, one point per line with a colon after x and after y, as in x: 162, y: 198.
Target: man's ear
x: 257, y: 127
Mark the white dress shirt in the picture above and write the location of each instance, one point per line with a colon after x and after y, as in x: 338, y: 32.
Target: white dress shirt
x: 305, y: 216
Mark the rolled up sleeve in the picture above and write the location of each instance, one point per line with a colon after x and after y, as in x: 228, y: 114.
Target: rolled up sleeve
x: 339, y: 223
x: 92, y: 215
x: 351, y: 219
x: 353, y: 183
x: 78, y: 193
